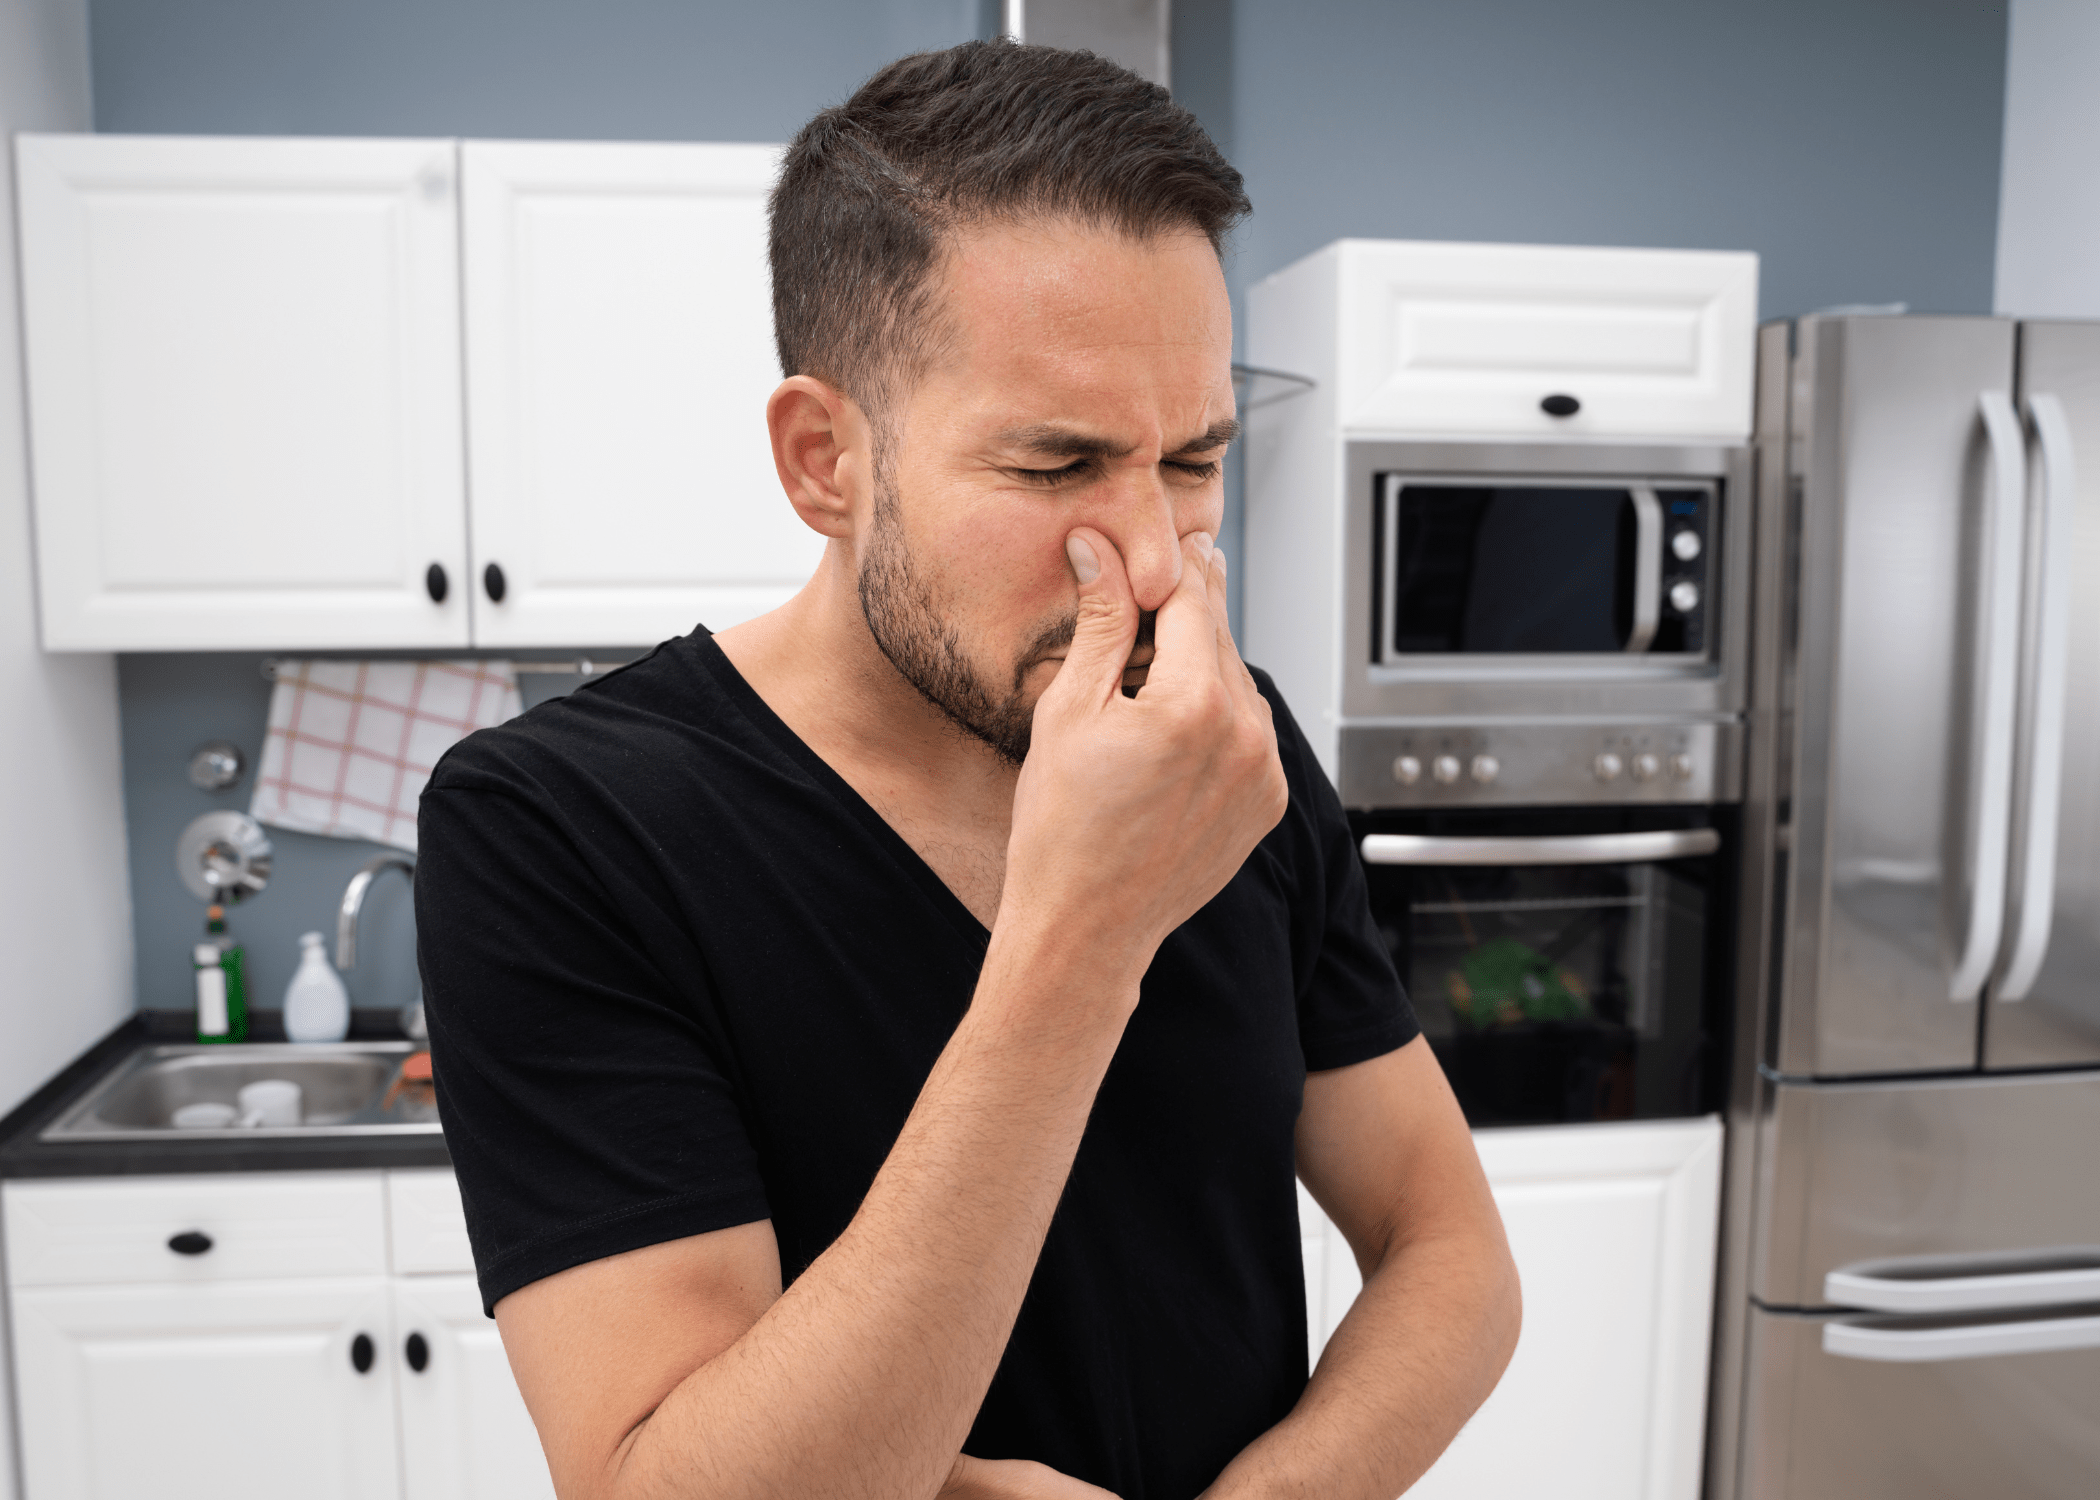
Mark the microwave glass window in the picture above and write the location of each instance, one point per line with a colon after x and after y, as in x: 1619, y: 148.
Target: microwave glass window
x: 1528, y: 569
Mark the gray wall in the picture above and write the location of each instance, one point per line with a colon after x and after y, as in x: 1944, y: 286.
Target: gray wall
x: 1853, y: 143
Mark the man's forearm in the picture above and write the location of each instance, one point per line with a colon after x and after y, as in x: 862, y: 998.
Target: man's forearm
x: 864, y: 1377
x: 1420, y: 1349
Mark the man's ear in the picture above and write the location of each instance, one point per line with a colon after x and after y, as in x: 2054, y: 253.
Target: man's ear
x: 822, y: 450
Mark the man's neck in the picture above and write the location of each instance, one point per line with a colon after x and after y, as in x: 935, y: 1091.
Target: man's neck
x: 949, y: 795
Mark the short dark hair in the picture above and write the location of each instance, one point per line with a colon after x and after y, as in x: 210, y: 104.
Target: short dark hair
x: 872, y: 189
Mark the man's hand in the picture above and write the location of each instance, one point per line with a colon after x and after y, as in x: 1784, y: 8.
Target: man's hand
x: 1014, y: 1479
x: 1131, y: 813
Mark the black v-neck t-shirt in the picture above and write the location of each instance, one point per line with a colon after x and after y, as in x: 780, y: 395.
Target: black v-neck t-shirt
x: 680, y: 976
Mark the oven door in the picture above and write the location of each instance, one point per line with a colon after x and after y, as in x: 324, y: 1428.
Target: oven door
x: 1566, y: 964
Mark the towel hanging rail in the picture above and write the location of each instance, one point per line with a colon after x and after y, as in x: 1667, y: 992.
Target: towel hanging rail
x: 580, y: 666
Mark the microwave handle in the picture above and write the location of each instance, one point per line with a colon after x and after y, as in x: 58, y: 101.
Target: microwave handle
x: 1647, y: 568
x: 1567, y: 849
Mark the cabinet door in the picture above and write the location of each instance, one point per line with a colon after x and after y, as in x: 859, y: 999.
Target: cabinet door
x: 245, y: 391
x: 465, y: 1434
x: 619, y: 357
x: 229, y: 1391
x: 1613, y: 1229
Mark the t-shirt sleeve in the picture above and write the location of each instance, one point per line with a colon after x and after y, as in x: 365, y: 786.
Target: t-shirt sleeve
x: 586, y: 1098
x: 1351, y: 1005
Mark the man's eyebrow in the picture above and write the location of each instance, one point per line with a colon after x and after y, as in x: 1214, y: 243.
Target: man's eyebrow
x: 1053, y: 441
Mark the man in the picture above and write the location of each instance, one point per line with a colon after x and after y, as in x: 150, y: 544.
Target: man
x: 877, y: 1042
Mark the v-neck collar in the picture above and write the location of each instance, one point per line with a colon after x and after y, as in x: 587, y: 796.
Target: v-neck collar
x: 842, y: 791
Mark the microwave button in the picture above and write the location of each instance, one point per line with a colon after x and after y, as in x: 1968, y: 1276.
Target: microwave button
x: 1607, y: 766
x: 1684, y: 596
x: 1686, y: 545
x: 1647, y: 766
x: 1446, y: 769
x: 1406, y: 770
x: 1681, y: 767
x: 1486, y: 768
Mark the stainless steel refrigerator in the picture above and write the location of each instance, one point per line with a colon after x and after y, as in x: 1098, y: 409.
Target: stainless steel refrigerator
x: 1910, y: 1300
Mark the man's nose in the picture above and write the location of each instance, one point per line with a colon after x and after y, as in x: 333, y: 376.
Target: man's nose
x: 1144, y: 532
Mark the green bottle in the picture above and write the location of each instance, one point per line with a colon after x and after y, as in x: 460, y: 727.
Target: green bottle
x: 222, y: 992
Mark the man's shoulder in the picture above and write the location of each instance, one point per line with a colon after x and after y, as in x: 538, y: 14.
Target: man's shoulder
x: 666, y: 703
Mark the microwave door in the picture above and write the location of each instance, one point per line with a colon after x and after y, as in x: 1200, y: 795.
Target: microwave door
x: 2044, y: 1005
x: 1909, y: 462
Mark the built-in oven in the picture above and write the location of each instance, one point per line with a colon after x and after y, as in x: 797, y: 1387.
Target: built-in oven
x: 1567, y: 964
x: 1543, y: 670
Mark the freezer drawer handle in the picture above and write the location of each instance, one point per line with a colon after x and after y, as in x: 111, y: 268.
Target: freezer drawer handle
x: 2057, y: 1285
x: 1576, y: 849
x: 1962, y: 1341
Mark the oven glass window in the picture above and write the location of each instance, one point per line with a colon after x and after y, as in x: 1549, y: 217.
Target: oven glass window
x: 1558, y: 993
x: 1485, y: 568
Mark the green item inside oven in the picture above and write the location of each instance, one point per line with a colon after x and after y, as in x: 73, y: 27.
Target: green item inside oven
x: 1505, y: 983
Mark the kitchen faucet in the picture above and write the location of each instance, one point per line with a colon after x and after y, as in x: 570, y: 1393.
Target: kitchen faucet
x: 346, y: 923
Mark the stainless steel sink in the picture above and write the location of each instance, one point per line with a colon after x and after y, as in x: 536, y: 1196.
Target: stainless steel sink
x: 346, y: 1087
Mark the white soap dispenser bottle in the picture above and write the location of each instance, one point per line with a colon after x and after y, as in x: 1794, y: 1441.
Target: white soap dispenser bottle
x: 316, y: 1006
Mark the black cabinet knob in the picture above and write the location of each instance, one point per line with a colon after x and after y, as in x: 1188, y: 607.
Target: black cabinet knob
x: 417, y: 1349
x: 190, y: 1242
x: 1560, y: 406
x: 492, y: 580
x: 361, y: 1353
x: 434, y: 579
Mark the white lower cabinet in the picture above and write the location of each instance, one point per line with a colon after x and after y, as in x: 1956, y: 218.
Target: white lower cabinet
x: 258, y: 1365
x: 1613, y: 1228
x: 465, y: 1434
x: 206, y: 1392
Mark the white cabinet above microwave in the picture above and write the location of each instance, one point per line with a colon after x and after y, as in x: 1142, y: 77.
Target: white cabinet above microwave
x: 1427, y: 339
x: 345, y: 394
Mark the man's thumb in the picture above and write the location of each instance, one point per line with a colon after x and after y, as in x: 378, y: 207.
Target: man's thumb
x: 1108, y: 614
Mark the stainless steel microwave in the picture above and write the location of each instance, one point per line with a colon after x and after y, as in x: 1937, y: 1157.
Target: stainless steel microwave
x: 1542, y: 623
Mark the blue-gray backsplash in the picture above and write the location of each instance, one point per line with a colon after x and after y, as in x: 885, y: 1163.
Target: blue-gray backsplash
x: 172, y: 703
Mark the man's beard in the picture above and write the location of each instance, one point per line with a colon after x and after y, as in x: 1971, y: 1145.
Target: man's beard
x: 905, y: 616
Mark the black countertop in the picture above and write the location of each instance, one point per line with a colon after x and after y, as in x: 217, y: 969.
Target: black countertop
x: 23, y: 1155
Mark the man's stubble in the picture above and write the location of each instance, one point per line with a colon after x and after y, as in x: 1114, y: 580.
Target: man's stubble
x: 905, y: 615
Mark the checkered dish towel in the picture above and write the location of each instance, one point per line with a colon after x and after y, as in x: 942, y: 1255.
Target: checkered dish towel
x: 351, y: 743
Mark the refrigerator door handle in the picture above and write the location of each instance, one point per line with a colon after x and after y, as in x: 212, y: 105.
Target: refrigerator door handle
x: 1647, y: 568
x: 1959, y: 1340
x: 1996, y: 664
x: 1569, y: 849
x: 2066, y: 1277
x: 2034, y: 897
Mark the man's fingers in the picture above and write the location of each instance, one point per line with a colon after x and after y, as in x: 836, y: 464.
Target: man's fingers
x: 1108, y: 620
x: 1184, y: 632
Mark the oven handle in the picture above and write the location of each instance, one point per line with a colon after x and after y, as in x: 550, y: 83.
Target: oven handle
x: 1647, y: 568
x: 1569, y: 849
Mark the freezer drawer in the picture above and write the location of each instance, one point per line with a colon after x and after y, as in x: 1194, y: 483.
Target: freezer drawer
x: 1858, y: 1173
x: 1821, y: 1424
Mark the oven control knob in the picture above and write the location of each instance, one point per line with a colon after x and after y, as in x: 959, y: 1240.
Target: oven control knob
x: 1446, y: 769
x: 1406, y: 770
x: 1684, y: 596
x: 1607, y: 766
x: 1647, y: 766
x: 1686, y: 545
x: 1681, y: 767
x: 1485, y: 769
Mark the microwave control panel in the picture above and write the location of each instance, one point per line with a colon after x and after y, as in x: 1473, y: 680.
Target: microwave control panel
x: 1549, y: 764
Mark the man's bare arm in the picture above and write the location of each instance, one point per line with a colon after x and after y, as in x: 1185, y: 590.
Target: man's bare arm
x: 1384, y: 1149
x: 864, y: 1377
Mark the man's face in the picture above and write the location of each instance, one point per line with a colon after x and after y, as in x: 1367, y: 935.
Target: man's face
x: 1088, y: 383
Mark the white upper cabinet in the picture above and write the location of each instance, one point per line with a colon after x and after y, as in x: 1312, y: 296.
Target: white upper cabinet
x: 619, y: 357
x: 1540, y: 341
x: 245, y: 391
